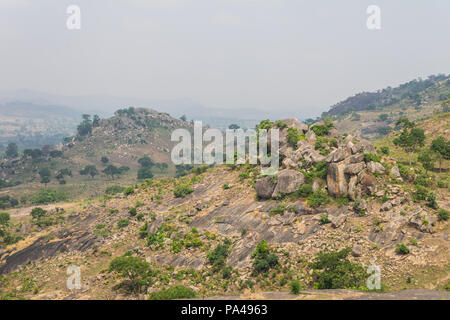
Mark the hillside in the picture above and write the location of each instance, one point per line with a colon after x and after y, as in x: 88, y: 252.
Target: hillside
x: 372, y: 115
x: 121, y: 140
x: 227, y: 231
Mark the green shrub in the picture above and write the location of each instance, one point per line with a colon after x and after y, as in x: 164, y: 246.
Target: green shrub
x: 385, y: 150
x: 318, y: 198
x: 333, y: 270
x: 132, y: 212
x: 443, y: 215
x: 225, y: 186
x: 265, y: 124
x: 226, y: 272
x: 176, y: 292
x: 280, y: 124
x: 304, y: 191
x: 182, y: 191
x: 292, y: 137
x: 402, y: 249
x: 45, y: 196
x: 295, y: 287
x: 278, y: 210
x: 218, y: 256
x: 122, y: 223
x: 324, y: 219
x: 371, y: 157
x: 135, y: 270
x: 128, y: 190
x: 320, y: 130
x: 263, y: 258
x: 114, y: 190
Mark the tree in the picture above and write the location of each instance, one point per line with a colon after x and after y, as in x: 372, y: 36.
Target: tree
x: 89, y: 170
x: 146, y: 162
x: 4, y: 218
x: 95, y: 121
x: 38, y: 213
x: 45, y: 175
x: 105, y: 160
x: 111, y: 170
x: 426, y: 158
x: 442, y: 149
x: 410, y: 140
x: 233, y: 126
x: 12, y: 150
x: 135, y: 269
x: 183, y: 117
x: 85, y: 127
x: 144, y: 173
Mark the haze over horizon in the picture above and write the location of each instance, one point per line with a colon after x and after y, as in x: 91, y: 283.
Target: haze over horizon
x: 294, y: 57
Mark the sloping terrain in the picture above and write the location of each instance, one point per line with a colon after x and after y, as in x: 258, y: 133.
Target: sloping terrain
x: 372, y: 115
x: 122, y: 139
x: 331, y: 193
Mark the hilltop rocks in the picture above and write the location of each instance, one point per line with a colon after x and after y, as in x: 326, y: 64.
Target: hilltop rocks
x: 375, y: 167
x: 264, y: 187
x: 336, y: 182
x: 354, y: 168
x: 288, y: 182
x: 396, y: 172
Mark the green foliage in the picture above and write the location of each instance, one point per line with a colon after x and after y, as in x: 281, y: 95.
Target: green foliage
x: 176, y: 292
x: 320, y: 130
x: 295, y: 287
x: 441, y: 148
x: 12, y: 150
x: 278, y: 210
x: 182, y: 191
x: 104, y: 160
x: 265, y: 125
x: 292, y: 137
x: 280, y: 124
x: 324, y: 219
x: 132, y: 212
x: 135, y: 270
x: 85, y: 127
x: 333, y: 270
x: 443, y: 215
x: 122, y: 223
x: 199, y: 170
x: 371, y: 157
x: 144, y: 173
x: 304, y: 191
x: 402, y: 249
x: 384, y: 150
x: 318, y: 198
x: 4, y: 218
x: 410, y: 140
x: 218, y: 256
x: 225, y: 186
x: 89, y: 170
x: 112, y: 171
x: 128, y: 190
x: 263, y: 258
x: 46, y: 196
x: 114, y: 189
x: 426, y: 159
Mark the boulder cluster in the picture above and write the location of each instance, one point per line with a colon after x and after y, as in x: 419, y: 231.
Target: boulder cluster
x: 349, y: 173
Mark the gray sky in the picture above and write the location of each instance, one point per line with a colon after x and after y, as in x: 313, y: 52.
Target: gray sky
x: 267, y: 54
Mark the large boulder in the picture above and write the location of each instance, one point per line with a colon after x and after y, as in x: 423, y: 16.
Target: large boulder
x: 288, y: 181
x: 396, y: 172
x: 375, y: 167
x: 264, y: 187
x: 336, y: 182
x: 294, y: 123
x: 354, y: 168
x: 337, y: 155
x: 368, y: 182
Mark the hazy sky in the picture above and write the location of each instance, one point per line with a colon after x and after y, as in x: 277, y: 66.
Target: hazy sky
x: 267, y: 54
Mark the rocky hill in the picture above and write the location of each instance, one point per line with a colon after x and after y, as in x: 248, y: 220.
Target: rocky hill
x: 373, y: 114
x: 120, y: 141
x: 229, y: 231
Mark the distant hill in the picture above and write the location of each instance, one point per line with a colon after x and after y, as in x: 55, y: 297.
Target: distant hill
x: 130, y: 134
x: 35, y: 125
x: 372, y: 115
